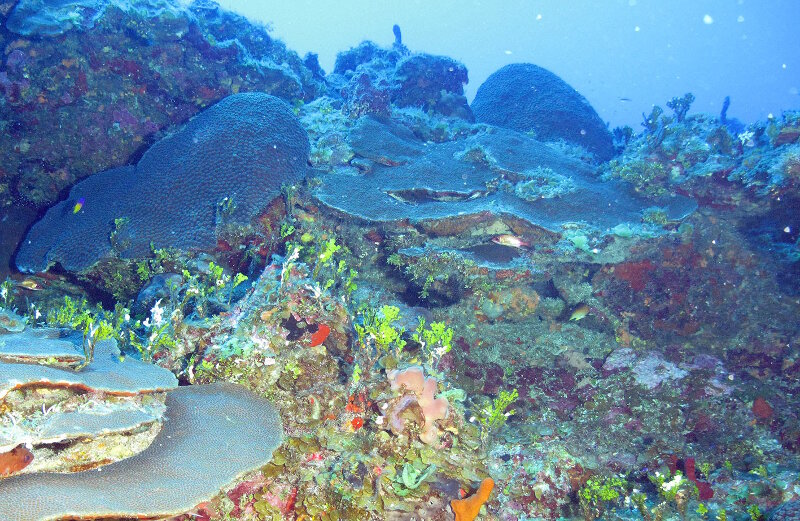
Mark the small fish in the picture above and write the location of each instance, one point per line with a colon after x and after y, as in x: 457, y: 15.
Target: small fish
x: 29, y: 284
x: 625, y: 100
x: 319, y: 336
x: 78, y: 205
x: 580, y: 312
x: 510, y: 240
x: 15, y: 460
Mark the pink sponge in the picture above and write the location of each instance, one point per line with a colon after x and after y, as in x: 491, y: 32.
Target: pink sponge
x: 416, y: 392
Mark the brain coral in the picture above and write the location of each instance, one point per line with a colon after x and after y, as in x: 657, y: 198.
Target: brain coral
x: 525, y: 97
x: 212, y: 435
x: 243, y: 148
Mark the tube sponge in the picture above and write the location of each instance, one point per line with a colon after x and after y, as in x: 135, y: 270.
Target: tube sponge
x: 467, y: 509
x: 417, y: 392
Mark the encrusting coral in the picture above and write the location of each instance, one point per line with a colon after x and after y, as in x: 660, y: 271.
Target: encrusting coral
x: 69, y: 420
x: 467, y: 509
x: 104, y: 441
x: 107, y: 372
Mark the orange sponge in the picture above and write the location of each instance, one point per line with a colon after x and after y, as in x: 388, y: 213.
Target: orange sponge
x: 467, y: 509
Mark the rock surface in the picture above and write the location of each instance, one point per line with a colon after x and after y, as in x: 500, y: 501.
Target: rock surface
x: 89, y: 84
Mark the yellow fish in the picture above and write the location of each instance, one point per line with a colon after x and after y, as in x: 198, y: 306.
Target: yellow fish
x: 78, y: 205
x: 580, y: 312
x: 29, y: 284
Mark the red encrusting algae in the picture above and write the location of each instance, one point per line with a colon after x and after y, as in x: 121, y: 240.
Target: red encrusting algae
x: 762, y: 409
x: 635, y: 274
x: 319, y: 336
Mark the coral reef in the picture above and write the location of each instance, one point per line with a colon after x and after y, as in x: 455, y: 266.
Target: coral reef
x: 437, y: 301
x: 180, y: 469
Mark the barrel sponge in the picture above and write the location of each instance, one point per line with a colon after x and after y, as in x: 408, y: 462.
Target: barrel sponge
x: 525, y: 97
x: 243, y: 148
x: 213, y: 434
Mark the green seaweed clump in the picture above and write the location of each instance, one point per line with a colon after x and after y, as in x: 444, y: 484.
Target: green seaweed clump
x: 599, y: 494
x: 378, y: 330
x: 436, y: 341
x: 495, y: 414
